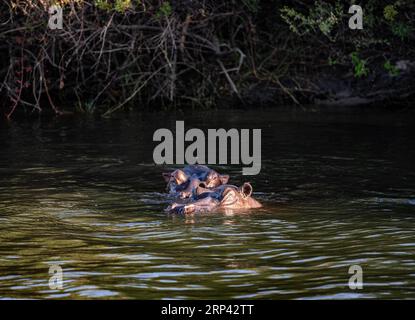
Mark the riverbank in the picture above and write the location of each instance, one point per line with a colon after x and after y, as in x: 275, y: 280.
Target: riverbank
x: 119, y: 55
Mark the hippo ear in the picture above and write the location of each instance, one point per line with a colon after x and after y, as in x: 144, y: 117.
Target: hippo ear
x: 246, y: 189
x: 166, y: 176
x: 180, y: 176
x: 224, y: 178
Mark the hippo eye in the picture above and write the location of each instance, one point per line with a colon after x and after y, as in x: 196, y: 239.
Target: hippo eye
x: 229, y: 198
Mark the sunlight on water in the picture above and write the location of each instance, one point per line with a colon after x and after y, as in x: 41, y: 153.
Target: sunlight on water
x: 337, y: 191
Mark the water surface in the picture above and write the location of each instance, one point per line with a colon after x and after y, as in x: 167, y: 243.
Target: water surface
x: 338, y: 190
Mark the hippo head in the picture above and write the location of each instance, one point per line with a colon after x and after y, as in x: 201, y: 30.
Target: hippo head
x: 188, y: 190
x: 239, y: 198
x: 175, y: 179
x: 183, y: 182
x: 222, y: 197
x: 214, y: 179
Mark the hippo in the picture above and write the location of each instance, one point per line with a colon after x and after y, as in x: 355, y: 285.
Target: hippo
x: 222, y: 197
x: 182, y: 182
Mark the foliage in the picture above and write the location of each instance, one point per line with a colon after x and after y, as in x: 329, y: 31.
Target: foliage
x: 119, y: 6
x: 360, y: 68
x: 378, y: 34
x: 103, y: 4
x: 122, y: 5
x: 324, y: 17
x: 332, y: 61
x: 391, y: 69
x: 122, y: 54
x: 165, y: 9
x: 401, y: 30
x: 390, y: 12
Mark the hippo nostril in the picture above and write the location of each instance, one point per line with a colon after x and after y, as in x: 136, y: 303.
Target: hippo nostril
x: 202, y: 185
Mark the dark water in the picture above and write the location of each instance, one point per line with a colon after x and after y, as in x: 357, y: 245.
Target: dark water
x: 338, y: 189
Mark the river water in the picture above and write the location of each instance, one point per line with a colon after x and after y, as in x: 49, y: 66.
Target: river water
x: 338, y: 190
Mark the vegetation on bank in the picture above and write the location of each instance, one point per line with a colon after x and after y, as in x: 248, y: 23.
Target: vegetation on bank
x: 120, y: 54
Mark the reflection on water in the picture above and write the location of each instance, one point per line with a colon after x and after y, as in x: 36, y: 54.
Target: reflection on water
x: 338, y: 190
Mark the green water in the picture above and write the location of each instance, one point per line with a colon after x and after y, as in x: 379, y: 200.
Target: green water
x: 338, y: 190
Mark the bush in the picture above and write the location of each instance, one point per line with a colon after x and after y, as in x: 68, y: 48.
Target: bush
x: 122, y: 54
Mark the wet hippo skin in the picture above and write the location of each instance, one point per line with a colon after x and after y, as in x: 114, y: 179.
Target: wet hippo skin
x: 182, y: 182
x: 222, y: 197
x: 199, y: 189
